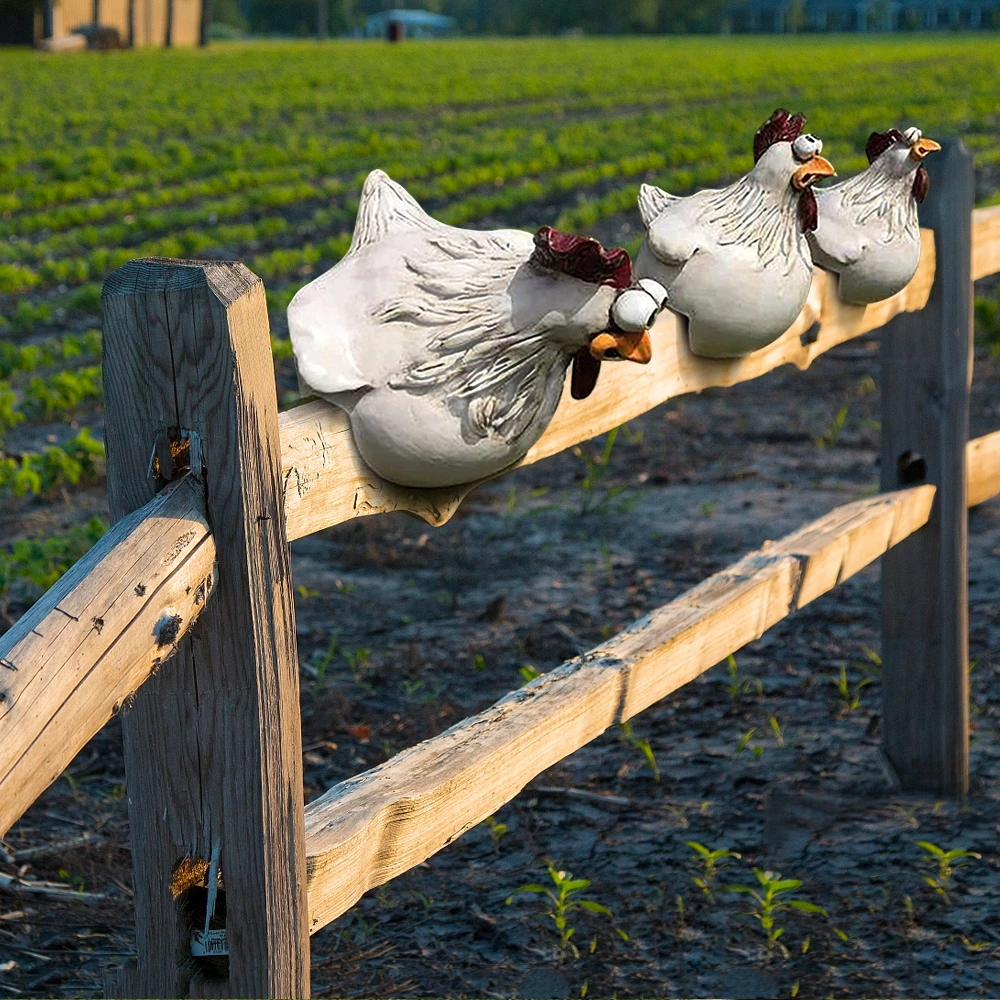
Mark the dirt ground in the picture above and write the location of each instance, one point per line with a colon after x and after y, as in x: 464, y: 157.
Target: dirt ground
x: 404, y: 630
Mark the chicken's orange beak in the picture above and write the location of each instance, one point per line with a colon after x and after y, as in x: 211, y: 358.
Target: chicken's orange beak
x: 629, y: 346
x: 922, y: 147
x: 812, y: 171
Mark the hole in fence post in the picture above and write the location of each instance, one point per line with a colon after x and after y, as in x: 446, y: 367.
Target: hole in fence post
x: 911, y: 468
x: 200, y: 898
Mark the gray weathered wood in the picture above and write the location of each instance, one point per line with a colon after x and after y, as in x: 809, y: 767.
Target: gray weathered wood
x: 95, y: 636
x: 926, y: 361
x: 212, y: 744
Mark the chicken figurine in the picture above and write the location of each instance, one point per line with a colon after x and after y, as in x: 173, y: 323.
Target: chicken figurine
x: 449, y: 347
x: 735, y: 260
x: 868, y: 230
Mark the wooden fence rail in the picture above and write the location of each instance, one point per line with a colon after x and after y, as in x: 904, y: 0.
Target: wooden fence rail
x: 208, y: 483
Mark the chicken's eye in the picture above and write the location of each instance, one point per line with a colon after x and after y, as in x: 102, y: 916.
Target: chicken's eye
x: 806, y: 147
x: 634, y: 310
x: 912, y: 135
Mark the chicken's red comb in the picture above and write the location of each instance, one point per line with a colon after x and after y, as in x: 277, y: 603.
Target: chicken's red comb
x: 879, y: 142
x: 782, y: 126
x: 582, y: 257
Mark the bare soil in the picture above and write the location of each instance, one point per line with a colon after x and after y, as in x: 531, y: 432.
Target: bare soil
x: 404, y: 630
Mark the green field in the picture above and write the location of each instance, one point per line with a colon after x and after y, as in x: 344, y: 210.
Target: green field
x: 258, y: 152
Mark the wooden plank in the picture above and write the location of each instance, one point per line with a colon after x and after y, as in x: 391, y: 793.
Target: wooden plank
x: 213, y: 744
x: 982, y: 457
x: 138, y: 553
x: 985, y: 242
x: 377, y: 825
x: 70, y: 662
x: 327, y: 481
x: 926, y: 363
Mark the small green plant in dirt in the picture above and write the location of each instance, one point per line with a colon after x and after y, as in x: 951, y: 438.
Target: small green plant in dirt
x: 849, y: 694
x: 779, y: 733
x: 739, y: 687
x: 830, y: 437
x: 771, y: 899
x: 358, y: 662
x: 744, y: 742
x: 944, y: 865
x: 595, y: 496
x: 496, y: 830
x: 563, y: 900
x: 528, y: 674
x: 711, y: 863
x: 323, y: 659
x: 641, y: 744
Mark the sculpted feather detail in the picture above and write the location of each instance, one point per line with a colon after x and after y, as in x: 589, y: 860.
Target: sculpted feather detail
x: 749, y: 214
x: 448, y: 347
x: 493, y: 376
x: 875, y: 201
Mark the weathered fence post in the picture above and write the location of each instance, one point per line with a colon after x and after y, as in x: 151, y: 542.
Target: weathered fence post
x: 213, y: 741
x: 926, y: 371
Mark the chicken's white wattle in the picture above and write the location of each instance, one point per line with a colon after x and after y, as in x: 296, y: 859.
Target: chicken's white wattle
x: 449, y: 347
x: 735, y: 261
x: 868, y: 231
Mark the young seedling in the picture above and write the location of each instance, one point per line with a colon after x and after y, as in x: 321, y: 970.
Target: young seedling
x: 642, y: 745
x: 322, y: 661
x: 779, y: 733
x: 595, y: 497
x: 738, y: 687
x: 850, y: 697
x: 529, y: 673
x: 830, y: 437
x: 712, y: 862
x: 561, y: 903
x: 945, y: 865
x: 743, y: 742
x: 496, y: 830
x: 479, y: 663
x: 772, y: 899
x: 358, y: 662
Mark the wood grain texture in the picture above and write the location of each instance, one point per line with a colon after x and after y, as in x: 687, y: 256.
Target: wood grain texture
x: 71, y: 661
x: 985, y: 242
x: 926, y: 364
x: 982, y: 458
x: 212, y: 744
x: 327, y: 482
x: 377, y: 825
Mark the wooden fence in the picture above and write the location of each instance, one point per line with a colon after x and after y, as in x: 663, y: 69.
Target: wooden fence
x: 208, y: 483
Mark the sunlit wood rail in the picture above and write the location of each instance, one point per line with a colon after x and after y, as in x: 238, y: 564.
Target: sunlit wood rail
x: 379, y: 824
x: 113, y: 619
x: 72, y: 660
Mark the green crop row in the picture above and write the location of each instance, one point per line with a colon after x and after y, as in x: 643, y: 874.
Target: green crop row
x: 74, y: 347
x: 34, y: 564
x: 80, y: 460
x: 49, y: 397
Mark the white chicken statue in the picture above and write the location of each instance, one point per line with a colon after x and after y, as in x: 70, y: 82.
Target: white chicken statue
x: 735, y: 260
x: 868, y: 230
x: 449, y: 347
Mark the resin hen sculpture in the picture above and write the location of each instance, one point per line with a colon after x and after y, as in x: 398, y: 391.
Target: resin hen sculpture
x: 735, y: 261
x: 449, y: 347
x: 868, y: 230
